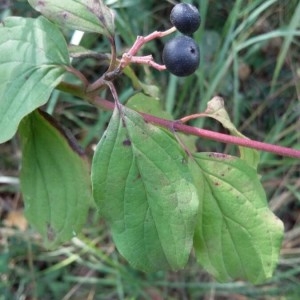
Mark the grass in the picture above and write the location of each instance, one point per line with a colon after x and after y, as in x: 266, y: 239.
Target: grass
x: 259, y: 38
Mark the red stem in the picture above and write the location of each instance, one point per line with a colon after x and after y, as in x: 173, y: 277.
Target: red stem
x: 208, y: 134
x: 129, y: 57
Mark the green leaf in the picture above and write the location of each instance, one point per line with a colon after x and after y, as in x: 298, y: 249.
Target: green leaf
x: 216, y: 110
x: 143, y: 188
x: 55, y: 179
x: 149, y: 89
x: 146, y: 104
x: 149, y: 105
x: 33, y: 52
x: 237, y: 236
x: 85, y: 15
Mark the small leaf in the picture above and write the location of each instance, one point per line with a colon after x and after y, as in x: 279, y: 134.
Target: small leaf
x: 143, y: 103
x: 149, y: 105
x: 85, y: 15
x: 55, y: 179
x: 33, y: 52
x: 149, y: 89
x: 237, y: 236
x: 143, y: 188
x: 216, y: 110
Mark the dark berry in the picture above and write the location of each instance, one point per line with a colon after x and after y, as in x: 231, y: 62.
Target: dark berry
x: 181, y: 56
x: 185, y: 17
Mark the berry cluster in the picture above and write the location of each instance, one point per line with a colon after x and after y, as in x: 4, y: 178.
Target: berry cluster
x: 181, y: 55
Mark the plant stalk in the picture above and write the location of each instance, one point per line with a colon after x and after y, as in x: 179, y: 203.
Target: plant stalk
x: 208, y: 134
x: 178, y: 126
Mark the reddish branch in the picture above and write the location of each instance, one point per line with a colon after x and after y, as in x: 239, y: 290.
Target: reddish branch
x: 208, y: 134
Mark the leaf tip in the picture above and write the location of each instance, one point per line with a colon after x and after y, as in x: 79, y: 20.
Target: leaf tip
x: 51, y: 234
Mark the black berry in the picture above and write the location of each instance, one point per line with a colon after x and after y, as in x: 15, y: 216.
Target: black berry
x: 185, y: 17
x: 181, y: 56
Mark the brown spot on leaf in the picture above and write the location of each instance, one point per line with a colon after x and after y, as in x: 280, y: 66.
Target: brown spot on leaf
x: 219, y: 155
x: 64, y: 15
x: 50, y: 233
x: 137, y: 178
x: 126, y: 142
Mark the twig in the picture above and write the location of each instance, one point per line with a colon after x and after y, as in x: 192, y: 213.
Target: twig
x: 78, y: 74
x: 208, y: 134
x: 130, y: 56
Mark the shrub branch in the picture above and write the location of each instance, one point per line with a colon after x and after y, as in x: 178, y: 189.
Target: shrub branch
x: 207, y: 134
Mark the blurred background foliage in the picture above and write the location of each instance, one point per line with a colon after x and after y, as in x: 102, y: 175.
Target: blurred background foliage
x: 250, y: 55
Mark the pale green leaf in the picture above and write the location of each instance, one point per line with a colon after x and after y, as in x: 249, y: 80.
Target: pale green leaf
x: 149, y: 105
x: 152, y: 106
x: 143, y: 188
x: 85, y: 15
x: 216, y: 110
x: 237, y: 236
x: 55, y: 179
x: 149, y: 89
x: 33, y: 55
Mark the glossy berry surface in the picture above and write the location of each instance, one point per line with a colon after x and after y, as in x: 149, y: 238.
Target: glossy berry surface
x: 181, y: 56
x: 185, y: 17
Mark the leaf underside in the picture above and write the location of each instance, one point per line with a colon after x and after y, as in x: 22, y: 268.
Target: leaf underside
x: 216, y: 110
x: 55, y: 179
x: 143, y: 188
x: 85, y: 15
